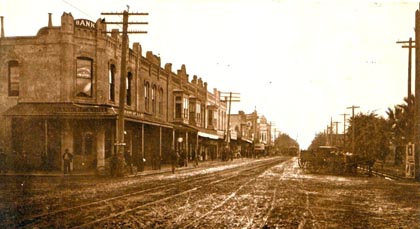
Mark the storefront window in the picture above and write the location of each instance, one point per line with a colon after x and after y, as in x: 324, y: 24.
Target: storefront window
x: 84, y: 77
x: 83, y: 143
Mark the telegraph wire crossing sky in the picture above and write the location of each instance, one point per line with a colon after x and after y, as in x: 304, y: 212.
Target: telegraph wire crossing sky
x: 299, y: 63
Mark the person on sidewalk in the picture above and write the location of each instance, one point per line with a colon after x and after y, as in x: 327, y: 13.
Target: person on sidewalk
x: 113, y: 165
x: 174, y: 159
x: 127, y: 157
x: 67, y: 158
x: 195, y: 158
x: 3, y: 165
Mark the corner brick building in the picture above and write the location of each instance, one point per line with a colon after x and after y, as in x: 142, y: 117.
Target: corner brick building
x: 59, y: 90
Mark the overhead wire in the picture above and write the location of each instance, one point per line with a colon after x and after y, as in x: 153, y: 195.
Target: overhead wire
x: 83, y: 12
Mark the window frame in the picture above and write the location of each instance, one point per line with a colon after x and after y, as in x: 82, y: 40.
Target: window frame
x: 146, y: 95
x: 81, y: 93
x: 129, y: 88
x: 160, y: 101
x: 111, y: 82
x: 11, y: 65
x: 178, y: 107
x: 154, y: 98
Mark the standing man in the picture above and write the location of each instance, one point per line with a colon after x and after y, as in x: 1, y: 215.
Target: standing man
x: 174, y: 158
x: 113, y: 165
x: 67, y: 158
x: 3, y: 166
x: 127, y: 157
x: 195, y: 158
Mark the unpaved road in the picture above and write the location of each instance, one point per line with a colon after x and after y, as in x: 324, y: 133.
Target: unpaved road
x: 240, y: 194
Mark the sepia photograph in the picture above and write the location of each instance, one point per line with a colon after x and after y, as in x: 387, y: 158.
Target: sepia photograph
x: 209, y: 114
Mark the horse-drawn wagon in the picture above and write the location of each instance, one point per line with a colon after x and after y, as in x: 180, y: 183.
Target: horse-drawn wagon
x: 316, y: 159
x: 331, y: 159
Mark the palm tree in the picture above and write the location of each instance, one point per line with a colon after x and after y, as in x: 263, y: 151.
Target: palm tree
x: 319, y: 140
x: 401, y: 122
x: 371, y: 135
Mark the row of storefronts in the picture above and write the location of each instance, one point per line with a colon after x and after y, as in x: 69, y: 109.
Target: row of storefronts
x: 59, y: 90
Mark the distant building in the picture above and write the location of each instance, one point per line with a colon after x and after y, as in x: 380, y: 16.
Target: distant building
x: 254, y: 133
x: 242, y: 127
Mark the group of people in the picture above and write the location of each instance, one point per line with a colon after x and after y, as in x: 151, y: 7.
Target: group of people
x: 21, y: 163
x: 227, y: 154
x: 18, y: 163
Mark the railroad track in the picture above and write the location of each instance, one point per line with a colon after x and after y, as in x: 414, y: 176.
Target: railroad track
x: 137, y: 211
x: 120, y: 205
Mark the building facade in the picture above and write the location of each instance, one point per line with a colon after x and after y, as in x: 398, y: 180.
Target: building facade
x: 60, y: 89
x: 243, y: 129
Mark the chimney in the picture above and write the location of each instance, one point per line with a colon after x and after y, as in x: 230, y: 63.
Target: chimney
x: 2, y: 28
x: 49, y: 20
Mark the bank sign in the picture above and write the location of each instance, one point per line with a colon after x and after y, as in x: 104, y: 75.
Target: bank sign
x: 85, y: 23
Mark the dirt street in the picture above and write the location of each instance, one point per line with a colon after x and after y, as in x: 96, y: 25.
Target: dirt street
x: 270, y: 192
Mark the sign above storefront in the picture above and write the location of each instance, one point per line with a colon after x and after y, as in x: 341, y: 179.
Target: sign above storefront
x: 85, y: 23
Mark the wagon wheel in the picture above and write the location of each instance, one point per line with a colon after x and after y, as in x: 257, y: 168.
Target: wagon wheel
x: 308, y: 165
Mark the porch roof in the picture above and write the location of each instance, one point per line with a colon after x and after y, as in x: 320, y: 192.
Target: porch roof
x: 59, y: 110
x: 208, y: 135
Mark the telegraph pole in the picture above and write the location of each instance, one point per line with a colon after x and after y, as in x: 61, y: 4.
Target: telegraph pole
x: 410, y: 46
x: 327, y: 136
x: 331, y: 132
x: 336, y: 133
x: 122, y: 94
x: 344, y: 130
x: 416, y: 138
x: 353, y: 126
x: 233, y: 97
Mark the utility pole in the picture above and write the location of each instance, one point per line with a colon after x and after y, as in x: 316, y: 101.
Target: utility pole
x: 353, y: 126
x: 122, y: 94
x: 331, y: 132
x: 416, y: 138
x: 410, y: 46
x: 344, y: 130
x: 233, y: 97
x: 327, y: 137
x: 336, y: 133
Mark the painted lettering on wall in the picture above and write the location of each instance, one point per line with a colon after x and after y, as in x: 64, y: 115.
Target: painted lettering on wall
x: 85, y: 23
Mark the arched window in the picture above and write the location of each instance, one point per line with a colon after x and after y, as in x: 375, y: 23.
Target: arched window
x: 160, y: 101
x: 111, y: 75
x: 14, y: 75
x: 146, y: 95
x: 128, y: 80
x: 154, y: 99
x: 84, y: 77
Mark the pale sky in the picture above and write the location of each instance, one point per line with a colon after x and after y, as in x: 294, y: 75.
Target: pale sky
x: 300, y: 63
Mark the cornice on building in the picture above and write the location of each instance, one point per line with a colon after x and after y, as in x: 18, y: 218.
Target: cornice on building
x: 97, y: 44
